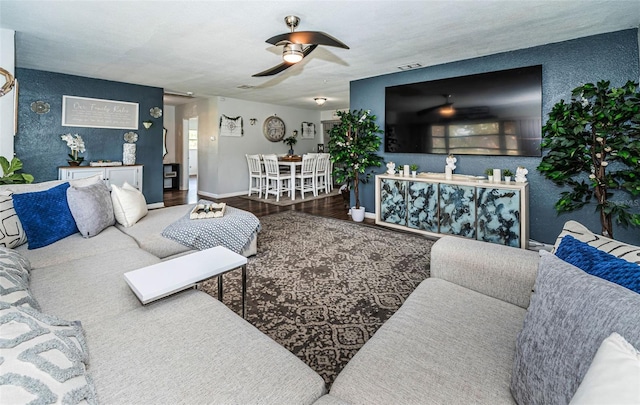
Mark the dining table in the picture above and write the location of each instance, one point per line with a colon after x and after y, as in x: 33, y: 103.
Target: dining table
x: 292, y: 162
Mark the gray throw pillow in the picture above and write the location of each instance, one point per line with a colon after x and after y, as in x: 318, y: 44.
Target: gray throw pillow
x: 91, y: 208
x: 570, y: 315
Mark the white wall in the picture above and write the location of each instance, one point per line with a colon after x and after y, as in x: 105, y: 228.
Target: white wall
x: 7, y: 111
x: 233, y: 173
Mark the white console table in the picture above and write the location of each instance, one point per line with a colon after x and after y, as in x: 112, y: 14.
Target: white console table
x: 463, y: 206
x: 117, y: 175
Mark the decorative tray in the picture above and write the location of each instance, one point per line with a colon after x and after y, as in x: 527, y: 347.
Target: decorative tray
x: 104, y: 163
x: 203, y: 211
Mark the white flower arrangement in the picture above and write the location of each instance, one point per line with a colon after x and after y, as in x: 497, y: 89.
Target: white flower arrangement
x: 76, y: 144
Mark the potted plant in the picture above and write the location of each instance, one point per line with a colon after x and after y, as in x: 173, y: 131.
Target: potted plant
x: 76, y: 144
x: 291, y: 141
x: 489, y: 173
x: 507, y: 175
x: 354, y: 145
x: 9, y: 169
x: 593, y: 148
x: 414, y: 169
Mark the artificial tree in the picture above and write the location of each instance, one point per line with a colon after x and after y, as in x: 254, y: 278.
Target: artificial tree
x: 593, y: 146
x: 354, y: 145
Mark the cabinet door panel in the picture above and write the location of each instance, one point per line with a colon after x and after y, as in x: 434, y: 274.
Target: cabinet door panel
x: 422, y: 200
x: 83, y: 173
x: 457, y: 210
x: 393, y: 201
x: 118, y: 176
x: 499, y: 216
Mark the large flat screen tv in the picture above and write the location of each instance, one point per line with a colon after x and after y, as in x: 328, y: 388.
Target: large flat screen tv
x: 496, y: 113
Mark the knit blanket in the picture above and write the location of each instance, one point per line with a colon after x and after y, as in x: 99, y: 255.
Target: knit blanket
x: 234, y: 230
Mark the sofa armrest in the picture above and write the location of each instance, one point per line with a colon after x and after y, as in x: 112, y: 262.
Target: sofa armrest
x: 498, y: 271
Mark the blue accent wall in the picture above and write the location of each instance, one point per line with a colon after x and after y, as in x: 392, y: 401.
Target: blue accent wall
x: 565, y: 65
x: 38, y: 142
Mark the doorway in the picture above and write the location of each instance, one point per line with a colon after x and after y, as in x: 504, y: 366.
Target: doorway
x: 190, y: 132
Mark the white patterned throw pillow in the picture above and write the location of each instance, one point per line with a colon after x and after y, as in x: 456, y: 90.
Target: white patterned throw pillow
x: 11, y: 233
x: 616, y: 248
x: 43, y: 359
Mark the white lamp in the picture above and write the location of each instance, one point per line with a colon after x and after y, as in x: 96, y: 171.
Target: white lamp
x: 292, y: 53
x: 320, y: 100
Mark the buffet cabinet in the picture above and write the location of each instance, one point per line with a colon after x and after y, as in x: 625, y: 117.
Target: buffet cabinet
x: 117, y: 175
x: 464, y: 206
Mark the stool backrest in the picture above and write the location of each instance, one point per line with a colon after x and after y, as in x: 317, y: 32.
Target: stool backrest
x: 253, y: 161
x: 308, y: 164
x: 271, y: 165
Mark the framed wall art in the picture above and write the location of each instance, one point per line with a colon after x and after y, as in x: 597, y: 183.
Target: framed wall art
x: 231, y: 126
x: 98, y: 113
x: 308, y: 130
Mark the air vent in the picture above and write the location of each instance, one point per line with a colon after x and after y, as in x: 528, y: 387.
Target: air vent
x: 245, y: 87
x: 410, y: 66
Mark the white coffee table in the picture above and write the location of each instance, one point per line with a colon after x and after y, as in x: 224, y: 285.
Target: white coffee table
x: 165, y: 278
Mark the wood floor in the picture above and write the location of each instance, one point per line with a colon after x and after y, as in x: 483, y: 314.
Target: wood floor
x: 333, y: 206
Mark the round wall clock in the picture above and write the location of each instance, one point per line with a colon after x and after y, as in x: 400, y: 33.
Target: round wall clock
x: 273, y: 128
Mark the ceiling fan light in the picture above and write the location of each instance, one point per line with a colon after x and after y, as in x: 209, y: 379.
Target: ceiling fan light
x: 292, y: 53
x: 320, y: 100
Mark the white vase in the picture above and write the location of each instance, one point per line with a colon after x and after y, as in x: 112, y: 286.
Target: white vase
x: 507, y: 179
x: 357, y: 214
x: 497, y: 175
x: 414, y: 173
x: 129, y: 154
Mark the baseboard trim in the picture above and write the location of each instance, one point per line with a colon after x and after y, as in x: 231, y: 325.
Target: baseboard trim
x: 153, y: 206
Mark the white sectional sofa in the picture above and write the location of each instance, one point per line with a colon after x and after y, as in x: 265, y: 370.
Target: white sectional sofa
x: 458, y: 338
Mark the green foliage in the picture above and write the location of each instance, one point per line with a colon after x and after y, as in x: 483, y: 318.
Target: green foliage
x: 507, y: 173
x: 413, y: 167
x: 354, y: 145
x: 488, y: 172
x: 593, y: 147
x: 9, y: 169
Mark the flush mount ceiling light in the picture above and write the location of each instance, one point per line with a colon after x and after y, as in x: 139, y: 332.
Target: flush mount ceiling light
x: 292, y: 53
x: 320, y: 100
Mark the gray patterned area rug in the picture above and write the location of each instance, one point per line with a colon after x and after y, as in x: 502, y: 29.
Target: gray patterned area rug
x: 321, y: 287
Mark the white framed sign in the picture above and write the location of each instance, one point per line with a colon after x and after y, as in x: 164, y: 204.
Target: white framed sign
x: 98, y: 113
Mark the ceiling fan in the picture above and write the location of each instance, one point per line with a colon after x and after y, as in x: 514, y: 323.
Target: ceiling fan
x: 444, y: 109
x: 294, y: 45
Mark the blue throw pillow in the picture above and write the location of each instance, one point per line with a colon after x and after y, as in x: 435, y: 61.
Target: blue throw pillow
x: 45, y: 215
x: 599, y: 263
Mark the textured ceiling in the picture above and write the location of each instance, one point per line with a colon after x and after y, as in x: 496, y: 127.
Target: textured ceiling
x: 211, y: 48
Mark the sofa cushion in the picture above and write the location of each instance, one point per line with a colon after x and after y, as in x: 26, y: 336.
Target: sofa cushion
x: 147, y: 232
x: 191, y: 349
x: 45, y: 215
x: 91, y: 289
x: 129, y: 204
x: 91, y: 208
x: 571, y: 313
x: 42, y: 357
x: 619, y: 249
x: 11, y: 231
x: 446, y: 344
x: 599, y: 263
x: 75, y: 247
x: 613, y: 376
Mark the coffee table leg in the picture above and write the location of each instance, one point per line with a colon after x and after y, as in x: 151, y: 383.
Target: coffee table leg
x: 220, y: 288
x: 244, y: 290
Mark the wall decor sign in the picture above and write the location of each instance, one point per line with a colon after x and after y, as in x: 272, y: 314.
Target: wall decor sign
x: 308, y: 130
x: 98, y: 113
x: 231, y: 126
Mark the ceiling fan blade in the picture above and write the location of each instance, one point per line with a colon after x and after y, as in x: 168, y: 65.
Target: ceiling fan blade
x: 284, y: 65
x: 307, y: 37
